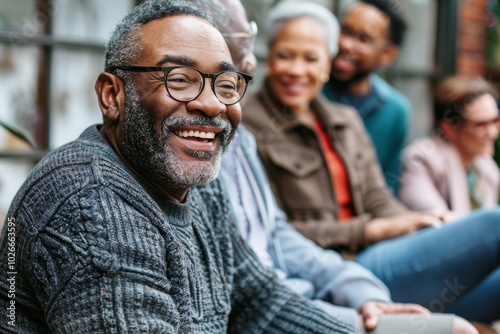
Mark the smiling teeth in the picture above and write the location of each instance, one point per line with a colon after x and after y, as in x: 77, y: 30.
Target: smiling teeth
x: 197, y: 134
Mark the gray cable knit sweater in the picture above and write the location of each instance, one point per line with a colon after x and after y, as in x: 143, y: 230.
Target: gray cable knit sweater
x: 97, y: 252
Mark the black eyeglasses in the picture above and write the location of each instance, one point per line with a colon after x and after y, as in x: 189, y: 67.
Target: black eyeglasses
x: 362, y: 40
x: 185, y: 83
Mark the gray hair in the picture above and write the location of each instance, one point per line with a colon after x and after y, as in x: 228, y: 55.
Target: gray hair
x: 124, y: 44
x: 288, y: 10
x: 216, y: 10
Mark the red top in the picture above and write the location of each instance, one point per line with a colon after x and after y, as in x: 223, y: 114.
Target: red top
x: 338, y: 173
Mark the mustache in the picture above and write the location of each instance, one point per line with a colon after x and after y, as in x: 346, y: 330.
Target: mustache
x: 224, y: 125
x: 170, y: 122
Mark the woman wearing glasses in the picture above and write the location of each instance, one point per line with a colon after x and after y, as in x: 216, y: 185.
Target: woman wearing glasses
x: 453, y: 169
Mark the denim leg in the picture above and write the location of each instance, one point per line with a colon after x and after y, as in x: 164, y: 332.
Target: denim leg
x: 436, y: 267
x: 484, y: 294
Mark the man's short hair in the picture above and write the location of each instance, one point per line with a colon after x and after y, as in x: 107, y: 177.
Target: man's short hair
x: 398, y: 21
x: 124, y: 44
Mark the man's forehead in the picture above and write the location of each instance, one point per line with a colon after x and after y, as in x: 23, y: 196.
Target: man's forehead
x: 185, y: 36
x: 365, y: 17
x: 366, y: 11
x: 176, y: 26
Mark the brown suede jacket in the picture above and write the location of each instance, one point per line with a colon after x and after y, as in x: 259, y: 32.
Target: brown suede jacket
x: 299, y: 177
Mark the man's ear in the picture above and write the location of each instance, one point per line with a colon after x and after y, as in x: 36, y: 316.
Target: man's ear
x: 110, y: 92
x: 389, y: 55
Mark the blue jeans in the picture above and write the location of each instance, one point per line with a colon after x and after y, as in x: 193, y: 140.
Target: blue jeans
x: 453, y: 268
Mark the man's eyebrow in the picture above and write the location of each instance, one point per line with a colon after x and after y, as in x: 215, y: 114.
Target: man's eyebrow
x: 180, y: 60
x: 225, y: 66
x: 186, y: 61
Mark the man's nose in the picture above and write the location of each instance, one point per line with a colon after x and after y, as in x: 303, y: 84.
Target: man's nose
x: 207, y: 102
x: 347, y: 43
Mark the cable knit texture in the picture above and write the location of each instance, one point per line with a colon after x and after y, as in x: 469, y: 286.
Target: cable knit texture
x: 97, y: 252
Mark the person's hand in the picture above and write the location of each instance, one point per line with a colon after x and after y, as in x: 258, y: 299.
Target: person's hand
x: 462, y: 326
x: 385, y: 228
x: 447, y: 216
x: 370, y: 311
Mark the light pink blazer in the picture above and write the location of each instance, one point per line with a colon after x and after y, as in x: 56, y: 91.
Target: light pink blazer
x: 433, y: 178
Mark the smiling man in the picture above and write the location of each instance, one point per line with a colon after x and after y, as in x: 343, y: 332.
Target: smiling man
x: 108, y: 234
x: 168, y: 147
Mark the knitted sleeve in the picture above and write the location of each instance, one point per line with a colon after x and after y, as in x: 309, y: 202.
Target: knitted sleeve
x: 98, y: 266
x: 261, y: 305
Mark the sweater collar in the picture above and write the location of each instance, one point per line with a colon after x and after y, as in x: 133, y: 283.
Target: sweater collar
x: 178, y: 213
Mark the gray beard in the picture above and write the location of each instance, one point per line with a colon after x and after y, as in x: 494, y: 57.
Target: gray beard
x: 154, y: 158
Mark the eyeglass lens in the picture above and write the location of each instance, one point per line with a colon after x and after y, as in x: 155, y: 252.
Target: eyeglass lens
x: 486, y: 124
x: 247, y: 34
x: 361, y: 39
x: 185, y: 84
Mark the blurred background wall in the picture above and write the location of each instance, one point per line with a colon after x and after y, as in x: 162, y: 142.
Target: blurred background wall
x: 51, y: 52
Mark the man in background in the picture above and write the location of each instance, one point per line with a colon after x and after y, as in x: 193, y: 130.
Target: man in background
x: 371, y: 34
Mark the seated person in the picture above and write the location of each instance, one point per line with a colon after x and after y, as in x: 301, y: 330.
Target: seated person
x: 344, y: 289
x: 324, y: 174
x: 363, y: 50
x: 453, y: 169
x: 109, y: 232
